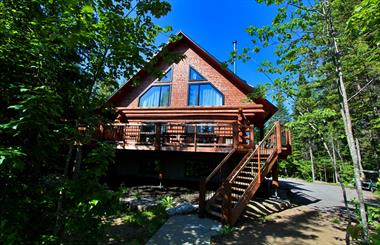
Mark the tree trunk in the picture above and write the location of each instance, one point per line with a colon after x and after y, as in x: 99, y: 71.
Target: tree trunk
x: 334, y: 164
x: 58, y: 221
x: 346, y: 115
x: 344, y: 195
x: 312, y: 163
x: 359, y: 158
x: 78, y: 162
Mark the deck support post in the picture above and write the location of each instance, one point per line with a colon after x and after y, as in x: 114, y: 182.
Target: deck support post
x: 157, y: 139
x: 202, y: 197
x: 275, y: 182
x: 235, y: 135
x: 252, y: 136
x: 261, y: 133
x: 226, y: 203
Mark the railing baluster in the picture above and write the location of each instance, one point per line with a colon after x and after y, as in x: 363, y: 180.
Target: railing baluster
x: 195, y: 138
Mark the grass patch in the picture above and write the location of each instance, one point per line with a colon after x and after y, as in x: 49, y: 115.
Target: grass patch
x: 336, y: 221
x: 136, y: 227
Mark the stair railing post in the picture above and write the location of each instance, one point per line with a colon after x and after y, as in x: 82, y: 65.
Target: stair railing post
x: 258, y: 164
x: 226, y: 203
x: 289, y: 143
x: 202, y: 197
x: 278, y: 137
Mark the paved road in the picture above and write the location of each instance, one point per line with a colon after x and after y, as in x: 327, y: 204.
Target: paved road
x: 319, y: 195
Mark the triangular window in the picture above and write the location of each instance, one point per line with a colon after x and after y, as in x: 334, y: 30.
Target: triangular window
x: 195, y: 76
x: 168, y: 76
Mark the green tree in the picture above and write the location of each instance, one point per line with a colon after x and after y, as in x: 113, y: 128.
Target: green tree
x: 324, y: 44
x: 59, y: 60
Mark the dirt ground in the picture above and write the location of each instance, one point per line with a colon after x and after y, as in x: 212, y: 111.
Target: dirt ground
x: 299, y: 225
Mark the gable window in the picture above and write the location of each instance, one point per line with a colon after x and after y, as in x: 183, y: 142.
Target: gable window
x: 194, y: 75
x: 155, y: 96
x: 168, y: 77
x: 204, y: 94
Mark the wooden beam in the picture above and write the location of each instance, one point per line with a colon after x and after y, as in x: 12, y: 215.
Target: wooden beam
x: 201, y: 108
x: 179, y: 115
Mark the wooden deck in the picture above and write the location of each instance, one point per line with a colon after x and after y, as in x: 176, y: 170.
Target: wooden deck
x: 209, y: 137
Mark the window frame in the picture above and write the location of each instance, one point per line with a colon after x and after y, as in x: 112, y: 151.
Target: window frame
x: 159, y: 99
x: 166, y: 81
x: 198, y: 96
x: 198, y: 80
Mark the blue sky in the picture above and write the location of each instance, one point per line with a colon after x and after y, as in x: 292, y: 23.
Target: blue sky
x: 214, y: 25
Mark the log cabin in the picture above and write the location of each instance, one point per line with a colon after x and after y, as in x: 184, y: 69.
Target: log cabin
x: 194, y: 123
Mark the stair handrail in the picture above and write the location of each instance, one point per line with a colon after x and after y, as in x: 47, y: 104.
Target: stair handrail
x: 264, y: 168
x: 220, y: 165
x: 204, y: 181
x: 233, y: 174
x: 246, y: 196
x: 241, y: 165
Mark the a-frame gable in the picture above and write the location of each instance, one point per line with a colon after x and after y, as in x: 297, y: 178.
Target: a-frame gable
x: 129, y: 95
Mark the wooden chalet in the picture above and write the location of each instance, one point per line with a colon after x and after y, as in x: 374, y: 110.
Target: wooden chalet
x: 195, y: 124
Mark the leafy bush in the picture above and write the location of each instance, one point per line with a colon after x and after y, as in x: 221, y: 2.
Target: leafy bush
x: 167, y: 202
x: 226, y: 230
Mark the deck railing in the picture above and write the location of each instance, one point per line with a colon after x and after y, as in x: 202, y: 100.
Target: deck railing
x: 193, y: 137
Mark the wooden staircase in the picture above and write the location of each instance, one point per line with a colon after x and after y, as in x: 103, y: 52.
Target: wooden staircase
x: 229, y: 201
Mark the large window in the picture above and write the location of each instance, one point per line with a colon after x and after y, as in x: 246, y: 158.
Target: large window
x: 204, y: 94
x: 155, y: 96
x: 194, y: 75
x: 168, y: 77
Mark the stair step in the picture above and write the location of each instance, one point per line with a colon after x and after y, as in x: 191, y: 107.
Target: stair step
x: 216, y: 214
x: 244, y: 177
x: 218, y: 206
x: 250, y: 169
x: 248, y: 172
x: 238, y: 189
x: 251, y: 164
x: 241, y: 183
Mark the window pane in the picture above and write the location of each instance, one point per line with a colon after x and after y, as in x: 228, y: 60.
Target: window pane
x: 193, y: 94
x: 165, y: 95
x: 151, y: 98
x: 209, y: 96
x: 195, y: 76
x: 168, y: 76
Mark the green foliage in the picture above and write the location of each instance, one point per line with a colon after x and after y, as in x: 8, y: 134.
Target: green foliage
x: 150, y: 220
x: 304, y: 75
x: 59, y: 61
x: 167, y: 202
x: 226, y: 230
x: 374, y: 219
x: 259, y: 92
